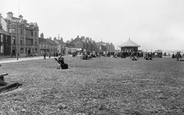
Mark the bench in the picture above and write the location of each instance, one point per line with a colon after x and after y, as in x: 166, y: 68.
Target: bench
x: 4, y: 87
x: 2, y: 79
x: 9, y: 87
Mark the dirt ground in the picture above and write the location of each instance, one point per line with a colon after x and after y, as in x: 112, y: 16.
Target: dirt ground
x: 100, y: 86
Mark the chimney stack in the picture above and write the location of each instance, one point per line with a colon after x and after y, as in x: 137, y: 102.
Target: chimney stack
x: 10, y: 14
x: 20, y: 17
x: 25, y: 21
x: 77, y: 36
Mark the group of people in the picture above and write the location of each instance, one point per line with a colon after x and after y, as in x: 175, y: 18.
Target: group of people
x: 89, y: 55
x: 148, y: 56
x: 178, y: 56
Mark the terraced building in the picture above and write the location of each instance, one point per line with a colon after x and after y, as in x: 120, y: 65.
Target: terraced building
x: 24, y: 36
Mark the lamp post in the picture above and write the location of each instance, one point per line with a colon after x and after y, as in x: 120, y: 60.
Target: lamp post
x: 17, y: 41
x: 11, y: 37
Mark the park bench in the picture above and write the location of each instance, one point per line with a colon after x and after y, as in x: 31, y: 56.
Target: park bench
x: 2, y: 79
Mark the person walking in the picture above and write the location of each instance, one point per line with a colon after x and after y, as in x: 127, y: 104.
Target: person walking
x: 44, y: 55
x: 178, y: 56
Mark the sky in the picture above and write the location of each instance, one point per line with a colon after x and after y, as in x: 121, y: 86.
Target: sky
x: 153, y: 24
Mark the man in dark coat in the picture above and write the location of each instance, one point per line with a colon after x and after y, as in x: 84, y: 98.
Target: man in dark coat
x: 44, y: 55
x: 178, y: 56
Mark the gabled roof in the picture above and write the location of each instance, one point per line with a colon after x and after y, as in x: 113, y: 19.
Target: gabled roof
x: 77, y: 39
x: 69, y: 45
x: 33, y: 24
x: 12, y: 19
x: 15, y: 18
x: 50, y: 42
x: 101, y: 43
x: 129, y: 43
x: 44, y: 41
x: 60, y: 41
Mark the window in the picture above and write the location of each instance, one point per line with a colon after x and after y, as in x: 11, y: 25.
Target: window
x: 13, y: 40
x: 21, y: 41
x: 1, y: 49
x: 1, y: 38
x: 13, y: 29
x: 29, y: 42
x: 29, y: 32
x: 9, y: 30
x: 21, y: 50
x: 21, y: 31
x: 35, y: 50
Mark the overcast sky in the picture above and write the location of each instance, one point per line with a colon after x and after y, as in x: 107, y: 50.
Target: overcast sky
x: 153, y: 24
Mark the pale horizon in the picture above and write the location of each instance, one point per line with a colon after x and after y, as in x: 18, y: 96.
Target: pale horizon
x: 153, y: 24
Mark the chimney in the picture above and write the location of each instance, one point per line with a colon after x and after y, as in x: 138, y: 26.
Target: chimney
x: 87, y: 38
x: 20, y: 17
x: 61, y: 39
x: 10, y: 14
x: 77, y: 36
x: 25, y: 21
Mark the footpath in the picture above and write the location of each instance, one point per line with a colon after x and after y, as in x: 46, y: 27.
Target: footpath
x: 10, y: 60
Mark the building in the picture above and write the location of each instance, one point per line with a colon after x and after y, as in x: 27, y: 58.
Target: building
x: 129, y: 46
x: 52, y: 46
x: 48, y: 46
x: 110, y: 47
x: 78, y: 42
x: 24, y: 35
x: 84, y: 44
x: 61, y: 46
x: 5, y: 38
x: 43, y: 45
x: 101, y: 46
x: 105, y: 47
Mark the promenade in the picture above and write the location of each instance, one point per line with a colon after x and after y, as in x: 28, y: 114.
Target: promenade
x: 10, y: 60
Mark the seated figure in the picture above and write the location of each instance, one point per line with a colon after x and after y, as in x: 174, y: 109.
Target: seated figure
x: 61, y: 62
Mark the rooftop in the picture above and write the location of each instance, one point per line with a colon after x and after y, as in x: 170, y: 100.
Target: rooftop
x: 129, y: 43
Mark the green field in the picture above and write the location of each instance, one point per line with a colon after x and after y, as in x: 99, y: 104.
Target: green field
x: 101, y: 86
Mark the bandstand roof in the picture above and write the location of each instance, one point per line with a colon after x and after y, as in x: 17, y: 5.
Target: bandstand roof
x: 129, y: 43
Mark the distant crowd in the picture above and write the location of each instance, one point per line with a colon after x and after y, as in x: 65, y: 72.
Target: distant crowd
x: 133, y: 55
x: 86, y: 55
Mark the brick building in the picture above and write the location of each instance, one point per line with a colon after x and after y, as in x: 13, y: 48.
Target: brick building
x: 5, y: 39
x: 61, y: 46
x: 24, y: 35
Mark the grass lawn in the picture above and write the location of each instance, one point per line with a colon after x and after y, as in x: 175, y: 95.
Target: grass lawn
x: 101, y: 86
